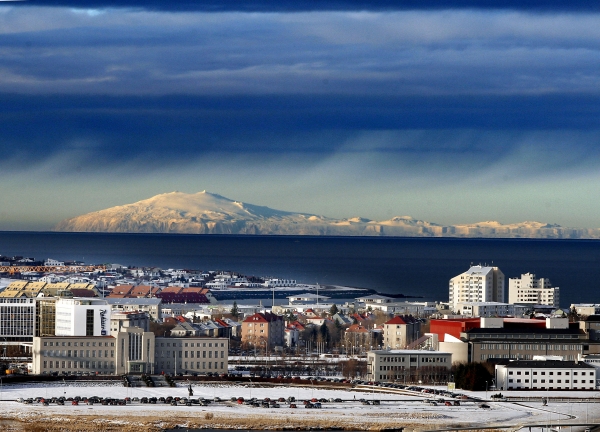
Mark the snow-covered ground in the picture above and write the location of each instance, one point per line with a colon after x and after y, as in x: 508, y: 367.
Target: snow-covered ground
x: 398, y: 407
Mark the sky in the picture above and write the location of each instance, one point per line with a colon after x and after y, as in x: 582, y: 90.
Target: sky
x: 448, y: 111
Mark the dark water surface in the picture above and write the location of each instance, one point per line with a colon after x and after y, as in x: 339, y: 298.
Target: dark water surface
x: 412, y: 266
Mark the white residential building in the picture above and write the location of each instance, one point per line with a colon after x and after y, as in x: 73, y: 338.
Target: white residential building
x: 478, y: 284
x: 534, y: 291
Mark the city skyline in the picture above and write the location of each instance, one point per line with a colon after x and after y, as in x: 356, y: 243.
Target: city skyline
x: 453, y: 114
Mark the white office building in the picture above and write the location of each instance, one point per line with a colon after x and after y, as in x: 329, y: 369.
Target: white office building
x: 545, y: 375
x: 82, y: 317
x: 532, y: 291
x: 478, y: 284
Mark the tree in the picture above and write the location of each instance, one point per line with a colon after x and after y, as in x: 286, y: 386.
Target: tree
x: 235, y: 312
x: 324, y: 334
x: 289, y: 316
x: 472, y: 376
x: 573, y: 315
x: 333, y: 310
x: 161, y: 329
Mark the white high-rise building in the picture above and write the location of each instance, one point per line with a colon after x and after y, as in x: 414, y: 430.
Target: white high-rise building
x: 478, y: 284
x: 529, y: 290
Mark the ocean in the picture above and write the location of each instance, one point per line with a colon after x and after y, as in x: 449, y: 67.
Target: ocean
x: 419, y: 267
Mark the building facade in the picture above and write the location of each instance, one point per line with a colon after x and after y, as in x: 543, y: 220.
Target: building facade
x: 17, y: 319
x: 263, y: 330
x: 586, y: 309
x: 151, y: 305
x: 490, y: 309
x: 408, y: 365
x: 478, y: 284
x: 191, y: 355
x: 400, y: 331
x: 533, y: 291
x: 82, y: 317
x: 545, y: 375
x: 74, y: 355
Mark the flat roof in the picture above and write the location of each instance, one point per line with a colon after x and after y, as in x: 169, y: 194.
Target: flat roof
x: 408, y: 352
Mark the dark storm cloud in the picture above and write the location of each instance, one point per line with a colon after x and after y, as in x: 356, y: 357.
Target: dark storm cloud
x: 174, y: 128
x: 326, y: 5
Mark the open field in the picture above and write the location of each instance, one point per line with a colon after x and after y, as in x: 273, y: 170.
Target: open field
x: 395, y: 410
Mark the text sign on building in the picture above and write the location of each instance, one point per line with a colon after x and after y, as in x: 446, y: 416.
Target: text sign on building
x: 103, y: 322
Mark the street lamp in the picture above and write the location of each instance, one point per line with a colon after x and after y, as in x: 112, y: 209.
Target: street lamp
x: 486, y: 390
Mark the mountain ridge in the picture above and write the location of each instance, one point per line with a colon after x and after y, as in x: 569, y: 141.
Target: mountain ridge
x: 210, y: 213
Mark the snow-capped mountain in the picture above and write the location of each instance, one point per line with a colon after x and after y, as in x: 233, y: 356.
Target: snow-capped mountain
x: 207, y: 213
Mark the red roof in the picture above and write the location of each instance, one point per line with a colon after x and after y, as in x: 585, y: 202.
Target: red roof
x: 263, y: 317
x: 122, y: 289
x: 82, y: 292
x: 356, y: 328
x: 172, y: 289
x: 143, y: 290
x: 396, y: 320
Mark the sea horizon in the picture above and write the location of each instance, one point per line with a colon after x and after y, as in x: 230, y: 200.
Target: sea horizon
x: 412, y: 266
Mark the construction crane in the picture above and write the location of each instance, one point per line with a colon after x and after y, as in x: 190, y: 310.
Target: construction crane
x: 51, y: 269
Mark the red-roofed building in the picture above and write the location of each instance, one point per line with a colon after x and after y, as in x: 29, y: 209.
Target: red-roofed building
x: 263, y: 329
x: 298, y: 325
x: 82, y: 292
x: 357, y: 339
x: 453, y: 327
x: 120, y: 291
x: 401, y: 331
x: 143, y: 291
x: 176, y: 294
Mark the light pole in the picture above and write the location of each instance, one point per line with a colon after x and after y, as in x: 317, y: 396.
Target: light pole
x: 486, y: 389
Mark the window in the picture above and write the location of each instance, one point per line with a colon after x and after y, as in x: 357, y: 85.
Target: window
x: 89, y: 323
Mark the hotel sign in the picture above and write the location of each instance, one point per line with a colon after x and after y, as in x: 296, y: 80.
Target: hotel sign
x: 103, y: 322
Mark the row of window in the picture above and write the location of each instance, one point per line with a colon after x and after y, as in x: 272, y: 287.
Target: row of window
x: 191, y: 344
x: 190, y: 354
x: 50, y: 343
x: 184, y: 365
x: 77, y: 353
x: 550, y: 373
x: 51, y: 364
x: 525, y: 336
x: 519, y: 356
x: 530, y: 347
x: 551, y: 381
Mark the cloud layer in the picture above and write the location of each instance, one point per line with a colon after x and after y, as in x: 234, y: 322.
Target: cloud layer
x: 451, y: 114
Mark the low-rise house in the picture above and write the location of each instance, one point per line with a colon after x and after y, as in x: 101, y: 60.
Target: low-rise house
x: 341, y: 319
